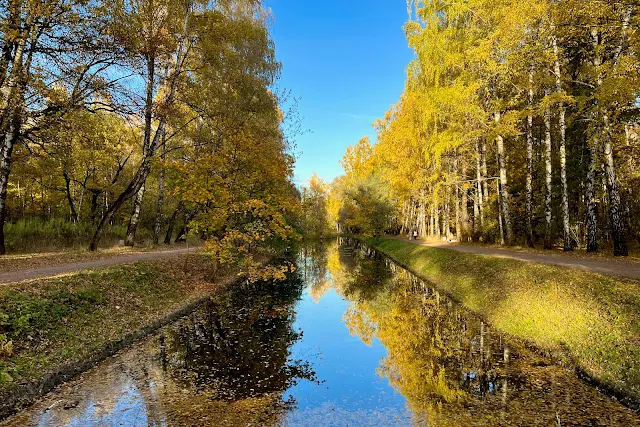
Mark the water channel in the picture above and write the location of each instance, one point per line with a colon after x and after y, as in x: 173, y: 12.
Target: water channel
x: 350, y: 339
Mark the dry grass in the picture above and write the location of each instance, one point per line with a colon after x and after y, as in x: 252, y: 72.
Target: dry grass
x: 595, y: 318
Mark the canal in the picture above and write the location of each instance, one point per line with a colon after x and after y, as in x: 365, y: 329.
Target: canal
x: 349, y: 339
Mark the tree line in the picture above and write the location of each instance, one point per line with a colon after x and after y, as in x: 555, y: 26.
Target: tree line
x: 160, y: 111
x: 519, y: 123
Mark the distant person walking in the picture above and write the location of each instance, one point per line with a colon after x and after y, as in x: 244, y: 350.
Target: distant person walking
x: 415, y: 234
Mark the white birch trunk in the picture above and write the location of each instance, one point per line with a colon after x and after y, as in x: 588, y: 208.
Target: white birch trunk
x: 502, y: 166
x: 562, y: 129
x: 548, y: 178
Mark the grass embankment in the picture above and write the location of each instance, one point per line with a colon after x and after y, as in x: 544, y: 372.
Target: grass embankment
x: 593, y: 318
x: 48, y: 323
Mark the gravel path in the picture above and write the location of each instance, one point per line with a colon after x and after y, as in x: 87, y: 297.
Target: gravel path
x: 37, y: 273
x: 612, y: 267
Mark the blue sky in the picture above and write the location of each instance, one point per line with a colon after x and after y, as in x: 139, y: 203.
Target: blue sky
x: 345, y: 60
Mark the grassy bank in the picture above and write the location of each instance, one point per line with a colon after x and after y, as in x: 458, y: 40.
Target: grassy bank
x: 47, y: 323
x: 593, y: 318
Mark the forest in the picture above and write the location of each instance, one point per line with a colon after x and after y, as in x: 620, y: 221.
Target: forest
x: 142, y: 120
x: 519, y: 124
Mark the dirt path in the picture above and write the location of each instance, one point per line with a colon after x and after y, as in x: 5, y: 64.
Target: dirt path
x: 49, y: 271
x: 611, y: 267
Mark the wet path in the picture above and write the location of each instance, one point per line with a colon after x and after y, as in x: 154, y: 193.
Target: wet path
x: 348, y: 340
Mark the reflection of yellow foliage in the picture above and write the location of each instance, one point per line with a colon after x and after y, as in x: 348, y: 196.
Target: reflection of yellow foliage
x: 337, y: 270
x: 319, y: 289
x: 410, y: 326
x: 415, y: 351
x: 359, y: 324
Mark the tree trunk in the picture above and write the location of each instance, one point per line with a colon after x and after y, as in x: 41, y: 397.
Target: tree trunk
x: 11, y: 107
x: 485, y: 173
x: 181, y: 234
x: 83, y: 188
x: 132, y: 189
x: 6, y: 153
x: 457, y: 200
x: 529, y: 180
x: 465, y: 203
x: 479, y: 187
x: 592, y: 209
x: 618, y: 228
x: 476, y: 212
x: 150, y: 144
x: 423, y: 216
x: 500, y: 223
x: 135, y: 217
x: 562, y: 128
x: 436, y: 211
x: 188, y: 216
x: 403, y: 228
x: 548, y: 179
x: 502, y: 166
x: 620, y: 245
x: 458, y: 214
x: 447, y: 217
x: 72, y: 206
x: 432, y: 226
x: 172, y: 222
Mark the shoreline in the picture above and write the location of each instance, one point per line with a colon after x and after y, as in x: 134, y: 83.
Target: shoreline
x: 38, y: 376
x: 560, y: 354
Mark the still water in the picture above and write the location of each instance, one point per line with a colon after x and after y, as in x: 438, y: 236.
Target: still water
x: 349, y: 339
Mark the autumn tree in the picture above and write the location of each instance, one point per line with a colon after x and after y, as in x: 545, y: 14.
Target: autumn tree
x: 515, y: 121
x: 314, y: 207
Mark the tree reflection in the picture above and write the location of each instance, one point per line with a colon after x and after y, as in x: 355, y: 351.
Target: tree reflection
x: 435, y: 352
x: 312, y: 264
x: 239, y: 345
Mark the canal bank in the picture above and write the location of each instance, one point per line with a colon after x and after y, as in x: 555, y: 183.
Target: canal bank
x: 56, y: 328
x: 587, y: 320
x: 350, y: 338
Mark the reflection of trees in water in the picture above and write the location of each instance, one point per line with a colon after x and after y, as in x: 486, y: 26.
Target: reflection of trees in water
x: 436, y: 352
x: 450, y: 366
x: 239, y: 345
x: 312, y: 260
x: 312, y: 264
x: 357, y: 272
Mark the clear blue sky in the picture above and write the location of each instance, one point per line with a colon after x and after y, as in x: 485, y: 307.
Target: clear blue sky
x: 346, y: 62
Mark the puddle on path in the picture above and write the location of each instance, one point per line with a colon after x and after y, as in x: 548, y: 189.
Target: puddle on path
x: 349, y: 339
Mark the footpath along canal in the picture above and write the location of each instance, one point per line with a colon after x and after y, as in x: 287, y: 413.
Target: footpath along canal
x: 349, y: 339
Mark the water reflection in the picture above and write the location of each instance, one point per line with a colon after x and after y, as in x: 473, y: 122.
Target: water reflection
x: 450, y: 365
x: 229, y: 363
x: 238, y: 346
x: 349, y: 339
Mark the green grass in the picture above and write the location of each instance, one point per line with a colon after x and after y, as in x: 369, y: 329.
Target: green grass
x: 593, y: 318
x: 47, y: 323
